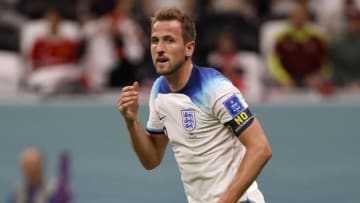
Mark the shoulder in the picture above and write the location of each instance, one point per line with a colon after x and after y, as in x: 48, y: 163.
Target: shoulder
x: 317, y: 32
x: 40, y: 41
x: 284, y: 32
x: 159, y: 86
x: 211, y: 79
x: 213, y: 85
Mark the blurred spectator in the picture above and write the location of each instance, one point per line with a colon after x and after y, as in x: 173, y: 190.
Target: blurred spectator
x: 345, y: 53
x: 241, y: 67
x: 331, y: 15
x: 300, y: 57
x: 97, y: 64
x: 35, y: 187
x: 129, y: 43
x: 240, y: 16
x: 54, y: 58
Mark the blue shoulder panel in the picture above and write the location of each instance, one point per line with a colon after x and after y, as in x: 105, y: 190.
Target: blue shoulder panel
x: 202, y: 81
x: 160, y: 86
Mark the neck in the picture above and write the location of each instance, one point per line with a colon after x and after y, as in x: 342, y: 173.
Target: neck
x: 36, y: 182
x: 178, y: 80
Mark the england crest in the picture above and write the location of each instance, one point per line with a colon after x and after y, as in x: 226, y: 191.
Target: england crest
x: 188, y: 119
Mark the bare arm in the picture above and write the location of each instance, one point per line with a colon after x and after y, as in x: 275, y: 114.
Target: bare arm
x: 149, y: 148
x: 258, y: 152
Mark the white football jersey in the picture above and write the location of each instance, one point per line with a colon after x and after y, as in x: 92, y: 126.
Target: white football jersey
x: 203, y: 122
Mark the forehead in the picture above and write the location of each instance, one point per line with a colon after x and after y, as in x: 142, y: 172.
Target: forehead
x: 166, y: 27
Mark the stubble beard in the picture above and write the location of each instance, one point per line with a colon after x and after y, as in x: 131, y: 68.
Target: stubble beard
x: 173, y: 67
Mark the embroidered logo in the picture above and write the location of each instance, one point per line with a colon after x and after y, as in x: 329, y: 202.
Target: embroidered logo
x: 188, y: 119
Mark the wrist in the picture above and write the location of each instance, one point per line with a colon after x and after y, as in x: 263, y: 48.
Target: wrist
x: 131, y: 122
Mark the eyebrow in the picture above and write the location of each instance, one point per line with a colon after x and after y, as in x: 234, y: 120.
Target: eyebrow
x: 163, y: 37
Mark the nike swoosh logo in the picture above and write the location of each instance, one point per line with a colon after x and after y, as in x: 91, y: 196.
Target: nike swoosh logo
x: 162, y: 117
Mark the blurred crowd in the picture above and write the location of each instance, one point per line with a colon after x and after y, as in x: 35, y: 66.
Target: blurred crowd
x: 92, y: 45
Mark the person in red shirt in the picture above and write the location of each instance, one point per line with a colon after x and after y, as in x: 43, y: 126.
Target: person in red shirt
x: 53, y: 57
x: 53, y: 49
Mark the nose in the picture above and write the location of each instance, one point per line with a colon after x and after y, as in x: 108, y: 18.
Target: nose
x: 160, y: 48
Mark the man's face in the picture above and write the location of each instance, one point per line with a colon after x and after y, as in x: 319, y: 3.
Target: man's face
x: 168, y: 50
x: 299, y: 15
x: 31, y: 163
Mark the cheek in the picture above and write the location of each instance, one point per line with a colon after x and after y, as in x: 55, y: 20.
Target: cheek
x: 152, y: 51
x: 179, y: 52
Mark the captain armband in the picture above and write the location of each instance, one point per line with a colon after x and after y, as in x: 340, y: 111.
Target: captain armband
x: 240, y: 122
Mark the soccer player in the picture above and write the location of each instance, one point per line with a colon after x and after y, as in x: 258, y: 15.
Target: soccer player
x: 219, y: 145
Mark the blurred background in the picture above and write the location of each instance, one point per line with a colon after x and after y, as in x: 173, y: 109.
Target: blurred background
x: 63, y: 63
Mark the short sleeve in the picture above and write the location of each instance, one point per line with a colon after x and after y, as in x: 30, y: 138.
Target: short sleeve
x: 154, y: 124
x: 232, y: 110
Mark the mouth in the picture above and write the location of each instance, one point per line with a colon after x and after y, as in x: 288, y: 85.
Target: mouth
x: 162, y: 60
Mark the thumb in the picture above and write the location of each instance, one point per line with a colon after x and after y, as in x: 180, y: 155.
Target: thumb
x: 136, y: 86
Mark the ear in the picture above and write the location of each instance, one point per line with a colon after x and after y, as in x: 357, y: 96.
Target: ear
x: 189, y: 48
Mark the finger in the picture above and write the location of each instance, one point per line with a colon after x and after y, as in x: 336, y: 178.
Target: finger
x: 126, y: 88
x: 136, y: 86
x: 126, y: 105
x: 126, y: 99
x: 123, y: 95
x: 128, y: 94
x: 124, y: 102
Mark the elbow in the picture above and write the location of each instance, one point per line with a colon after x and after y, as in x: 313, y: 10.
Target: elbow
x: 262, y: 152
x: 150, y: 165
x: 266, y: 152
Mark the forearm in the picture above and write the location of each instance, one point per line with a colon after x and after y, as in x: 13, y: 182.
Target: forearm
x: 251, y: 166
x: 143, y: 144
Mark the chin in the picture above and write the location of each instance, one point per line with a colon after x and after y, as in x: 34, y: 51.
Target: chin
x: 164, y: 73
x: 162, y: 70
